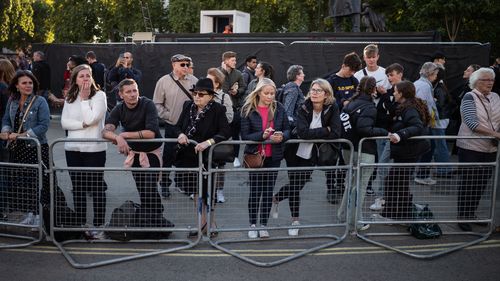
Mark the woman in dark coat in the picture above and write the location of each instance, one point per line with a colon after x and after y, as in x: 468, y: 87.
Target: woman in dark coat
x: 362, y: 106
x: 411, y: 120
x: 262, y: 118
x: 317, y: 118
x: 204, y: 121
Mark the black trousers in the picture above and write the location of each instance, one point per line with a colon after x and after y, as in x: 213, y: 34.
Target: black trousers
x: 88, y: 182
x: 397, y: 195
x: 474, y: 181
x: 147, y: 183
x: 261, y: 192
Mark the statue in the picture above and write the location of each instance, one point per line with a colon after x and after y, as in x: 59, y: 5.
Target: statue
x: 373, y: 21
x: 340, y: 9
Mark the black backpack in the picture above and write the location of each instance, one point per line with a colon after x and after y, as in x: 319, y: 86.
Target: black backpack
x: 349, y: 119
x: 280, y: 94
x: 130, y: 214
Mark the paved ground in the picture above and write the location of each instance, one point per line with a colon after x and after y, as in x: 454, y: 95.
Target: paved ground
x: 352, y: 259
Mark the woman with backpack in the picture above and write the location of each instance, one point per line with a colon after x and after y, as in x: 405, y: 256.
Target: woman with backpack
x: 411, y: 119
x: 358, y: 118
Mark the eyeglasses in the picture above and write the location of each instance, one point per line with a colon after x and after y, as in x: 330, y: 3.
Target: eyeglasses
x: 487, y: 80
x: 126, y: 57
x: 317, y: 91
x: 200, y: 94
x: 185, y: 64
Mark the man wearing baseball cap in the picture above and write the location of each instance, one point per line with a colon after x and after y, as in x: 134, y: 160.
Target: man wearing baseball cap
x: 171, y: 91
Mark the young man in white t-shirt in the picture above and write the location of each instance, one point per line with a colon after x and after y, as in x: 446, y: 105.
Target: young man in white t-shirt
x: 371, y: 56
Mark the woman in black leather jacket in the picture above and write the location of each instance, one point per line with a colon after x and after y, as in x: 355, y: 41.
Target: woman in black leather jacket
x: 317, y: 118
x: 410, y: 120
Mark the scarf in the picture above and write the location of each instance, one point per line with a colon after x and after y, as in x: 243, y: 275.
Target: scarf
x: 195, y: 117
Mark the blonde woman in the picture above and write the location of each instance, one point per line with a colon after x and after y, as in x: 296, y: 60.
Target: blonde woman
x: 263, y: 119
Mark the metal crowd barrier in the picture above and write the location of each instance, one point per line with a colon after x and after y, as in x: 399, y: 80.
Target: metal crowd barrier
x: 319, y: 222
x: 20, y: 188
x: 127, y: 217
x: 396, y: 216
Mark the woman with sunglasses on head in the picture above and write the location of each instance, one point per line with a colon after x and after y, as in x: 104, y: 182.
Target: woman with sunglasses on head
x: 317, y: 118
x: 480, y: 117
x: 26, y: 115
x: 83, y: 117
x: 263, y: 119
x: 204, y: 121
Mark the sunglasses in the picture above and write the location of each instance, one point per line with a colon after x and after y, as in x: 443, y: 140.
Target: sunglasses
x: 200, y: 94
x: 185, y: 64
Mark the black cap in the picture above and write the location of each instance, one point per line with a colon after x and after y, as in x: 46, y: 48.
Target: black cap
x: 204, y: 84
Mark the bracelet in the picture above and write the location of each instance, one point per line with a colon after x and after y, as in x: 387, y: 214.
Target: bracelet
x: 210, y: 142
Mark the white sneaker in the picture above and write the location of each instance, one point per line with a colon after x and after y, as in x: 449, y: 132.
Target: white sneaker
x: 220, y: 196
x: 95, y: 235
x: 363, y: 227
x: 425, y: 181
x: 378, y: 205
x: 236, y: 163
x: 263, y: 233
x: 294, y: 231
x: 28, y: 219
x: 252, y: 234
x: 191, y: 196
x: 274, y: 210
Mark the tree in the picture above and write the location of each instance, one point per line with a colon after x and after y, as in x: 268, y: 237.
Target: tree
x: 16, y: 22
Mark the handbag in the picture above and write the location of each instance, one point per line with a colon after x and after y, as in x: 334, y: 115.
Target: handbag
x: 254, y: 160
x: 223, y: 153
x: 328, y: 154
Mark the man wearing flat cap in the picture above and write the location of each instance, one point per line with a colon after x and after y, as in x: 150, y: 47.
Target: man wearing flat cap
x: 171, y: 91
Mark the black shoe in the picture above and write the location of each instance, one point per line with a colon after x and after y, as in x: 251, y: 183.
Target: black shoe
x: 465, y: 227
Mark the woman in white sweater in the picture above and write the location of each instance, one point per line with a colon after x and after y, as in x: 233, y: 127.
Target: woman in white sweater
x: 83, y: 117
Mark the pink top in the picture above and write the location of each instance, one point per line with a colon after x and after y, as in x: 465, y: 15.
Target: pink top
x: 264, y: 114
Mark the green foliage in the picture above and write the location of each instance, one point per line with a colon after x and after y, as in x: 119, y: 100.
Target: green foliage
x: 16, y: 22
x: 70, y: 21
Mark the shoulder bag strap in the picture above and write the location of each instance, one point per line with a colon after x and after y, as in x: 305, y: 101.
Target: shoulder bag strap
x: 364, y: 72
x: 485, y: 109
x: 26, y: 114
x: 182, y: 87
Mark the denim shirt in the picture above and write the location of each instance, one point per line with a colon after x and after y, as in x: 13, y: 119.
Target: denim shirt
x: 37, y: 121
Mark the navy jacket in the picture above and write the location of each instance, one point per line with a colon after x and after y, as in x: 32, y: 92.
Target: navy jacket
x: 251, y: 129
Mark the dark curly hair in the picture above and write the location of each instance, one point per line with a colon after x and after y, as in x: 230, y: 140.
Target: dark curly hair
x: 12, y: 86
x: 407, y: 90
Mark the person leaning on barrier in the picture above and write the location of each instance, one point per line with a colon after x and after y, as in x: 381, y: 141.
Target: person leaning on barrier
x: 26, y: 115
x: 223, y: 98
x: 204, y: 121
x: 83, y: 117
x: 262, y: 119
x: 410, y: 120
x: 139, y: 120
x: 317, y: 118
x: 362, y: 104
x: 480, y: 117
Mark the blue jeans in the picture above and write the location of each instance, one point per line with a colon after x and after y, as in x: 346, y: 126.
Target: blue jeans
x: 441, y: 154
x: 384, y: 156
x: 423, y: 171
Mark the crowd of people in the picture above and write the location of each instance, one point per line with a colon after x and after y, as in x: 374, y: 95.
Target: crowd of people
x: 227, y: 103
